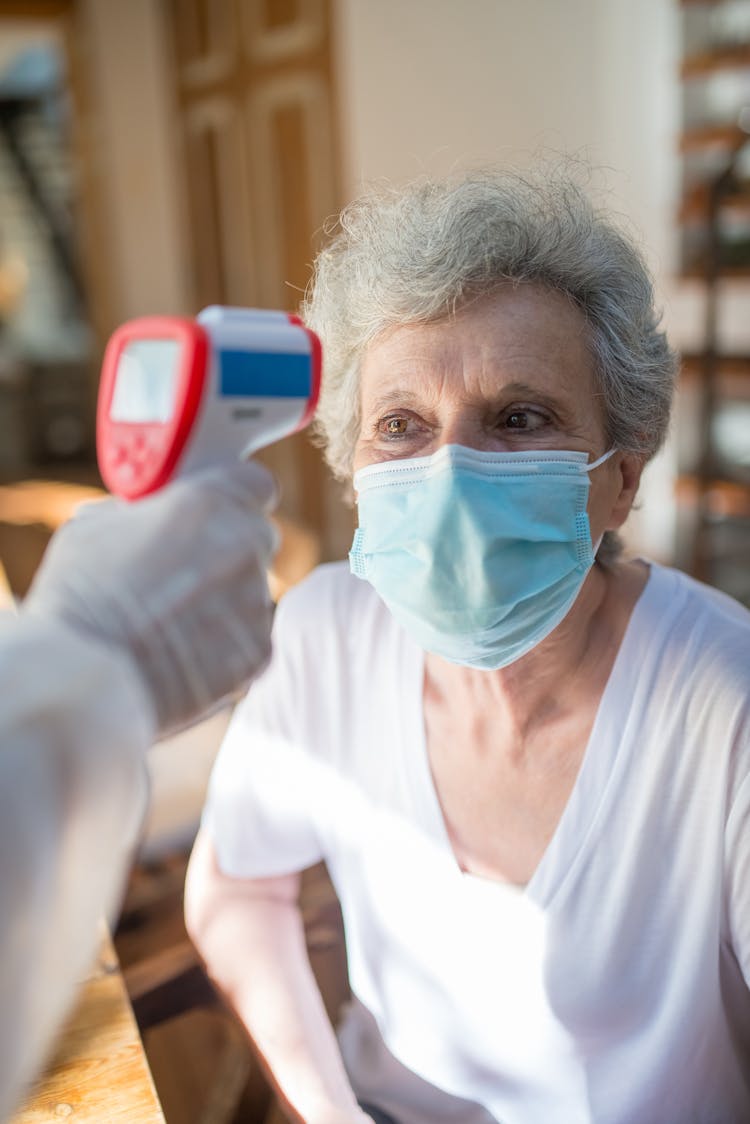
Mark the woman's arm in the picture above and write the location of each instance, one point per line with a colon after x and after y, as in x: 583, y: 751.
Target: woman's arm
x: 251, y: 936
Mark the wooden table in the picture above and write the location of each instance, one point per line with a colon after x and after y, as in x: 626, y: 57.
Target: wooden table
x: 99, y: 1073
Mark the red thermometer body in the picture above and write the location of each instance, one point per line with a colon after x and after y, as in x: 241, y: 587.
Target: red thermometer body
x: 178, y: 395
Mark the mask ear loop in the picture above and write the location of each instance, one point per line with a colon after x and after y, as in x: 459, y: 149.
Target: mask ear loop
x: 604, y: 457
x: 589, y: 468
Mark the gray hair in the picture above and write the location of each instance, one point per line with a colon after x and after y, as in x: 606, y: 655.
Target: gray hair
x: 416, y: 254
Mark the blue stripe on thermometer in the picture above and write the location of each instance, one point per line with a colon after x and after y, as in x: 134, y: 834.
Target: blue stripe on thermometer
x: 264, y: 374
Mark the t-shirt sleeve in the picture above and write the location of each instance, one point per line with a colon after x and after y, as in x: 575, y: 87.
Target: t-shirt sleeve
x: 269, y: 785
x: 738, y: 876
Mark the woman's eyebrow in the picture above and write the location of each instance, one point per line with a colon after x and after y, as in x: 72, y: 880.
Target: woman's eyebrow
x: 406, y: 398
x: 386, y: 400
x: 526, y: 390
x: 557, y: 403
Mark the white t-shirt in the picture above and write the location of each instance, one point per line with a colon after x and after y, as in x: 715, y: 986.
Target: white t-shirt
x: 614, y: 986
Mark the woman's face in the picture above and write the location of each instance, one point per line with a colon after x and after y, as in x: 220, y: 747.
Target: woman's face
x: 510, y: 372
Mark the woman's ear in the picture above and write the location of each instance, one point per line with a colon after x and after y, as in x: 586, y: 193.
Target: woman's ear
x: 629, y: 466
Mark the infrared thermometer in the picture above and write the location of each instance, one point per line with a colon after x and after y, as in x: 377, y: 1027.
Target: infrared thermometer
x: 178, y: 394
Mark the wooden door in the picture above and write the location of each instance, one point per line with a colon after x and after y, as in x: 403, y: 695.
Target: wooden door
x: 255, y: 101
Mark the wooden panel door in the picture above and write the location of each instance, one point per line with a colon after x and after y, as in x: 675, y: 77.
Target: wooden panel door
x: 254, y: 95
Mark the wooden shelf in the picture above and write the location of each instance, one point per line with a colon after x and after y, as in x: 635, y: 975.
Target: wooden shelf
x: 726, y: 499
x: 733, y: 56
x: 730, y: 379
x: 712, y: 491
x: 696, y: 271
x: 695, y: 204
x: 721, y: 137
x: 728, y: 366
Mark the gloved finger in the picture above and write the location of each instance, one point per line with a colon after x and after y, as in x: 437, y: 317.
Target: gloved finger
x: 88, y: 507
x: 261, y: 481
x: 251, y: 540
x: 247, y: 483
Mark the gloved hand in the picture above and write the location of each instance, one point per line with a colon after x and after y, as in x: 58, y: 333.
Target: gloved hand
x: 177, y: 580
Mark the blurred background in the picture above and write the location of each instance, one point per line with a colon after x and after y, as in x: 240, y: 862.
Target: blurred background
x: 157, y: 156
x: 161, y: 155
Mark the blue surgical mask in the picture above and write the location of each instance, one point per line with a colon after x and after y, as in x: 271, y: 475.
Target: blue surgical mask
x: 479, y: 555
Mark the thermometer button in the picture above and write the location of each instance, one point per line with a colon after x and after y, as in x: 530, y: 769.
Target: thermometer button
x: 125, y: 472
x: 117, y: 455
x: 155, y: 447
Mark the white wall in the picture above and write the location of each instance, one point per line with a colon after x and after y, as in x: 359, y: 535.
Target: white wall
x: 429, y: 86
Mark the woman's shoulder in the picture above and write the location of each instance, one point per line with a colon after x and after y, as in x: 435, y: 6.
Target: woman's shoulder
x: 700, y: 603
x: 703, y: 621
x: 331, y: 600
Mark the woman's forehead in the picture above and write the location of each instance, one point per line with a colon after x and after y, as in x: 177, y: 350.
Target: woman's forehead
x: 520, y: 334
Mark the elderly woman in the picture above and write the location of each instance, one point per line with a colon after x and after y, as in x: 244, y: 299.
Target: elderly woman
x: 525, y: 759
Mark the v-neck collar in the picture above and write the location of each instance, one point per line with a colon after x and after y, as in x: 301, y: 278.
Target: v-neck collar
x: 603, y: 757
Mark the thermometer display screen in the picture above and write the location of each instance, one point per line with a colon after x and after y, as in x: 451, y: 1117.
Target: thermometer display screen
x: 146, y: 381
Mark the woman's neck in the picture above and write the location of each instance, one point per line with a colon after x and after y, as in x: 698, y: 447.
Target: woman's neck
x: 566, y: 669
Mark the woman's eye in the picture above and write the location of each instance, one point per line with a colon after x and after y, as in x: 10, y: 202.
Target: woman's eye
x: 524, y: 419
x: 395, y: 426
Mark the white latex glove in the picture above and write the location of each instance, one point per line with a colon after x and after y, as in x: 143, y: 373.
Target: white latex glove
x: 177, y: 580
